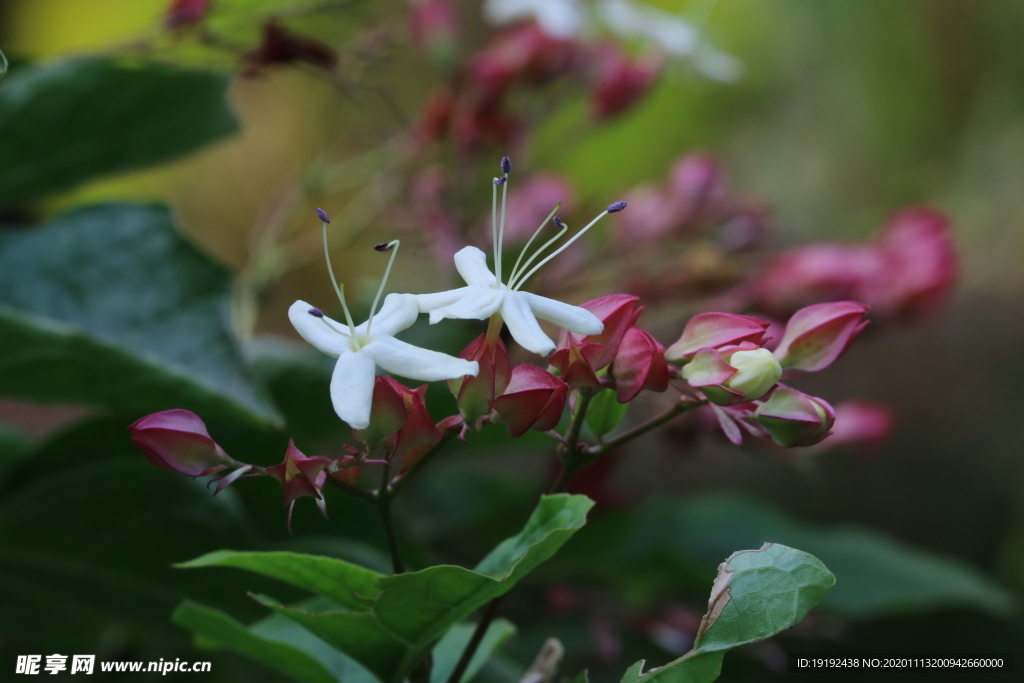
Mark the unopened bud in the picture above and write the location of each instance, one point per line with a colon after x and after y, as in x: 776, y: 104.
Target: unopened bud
x: 735, y: 375
x: 178, y: 440
x: 795, y: 419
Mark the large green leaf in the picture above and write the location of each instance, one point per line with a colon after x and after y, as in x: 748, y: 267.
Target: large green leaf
x: 450, y: 648
x: 282, y: 644
x: 877, y: 575
x: 756, y: 594
x: 215, y: 629
x: 406, y: 614
x: 109, y: 305
x: 68, y: 122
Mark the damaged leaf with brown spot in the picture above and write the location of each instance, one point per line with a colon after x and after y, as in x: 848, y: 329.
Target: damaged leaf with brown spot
x: 757, y: 594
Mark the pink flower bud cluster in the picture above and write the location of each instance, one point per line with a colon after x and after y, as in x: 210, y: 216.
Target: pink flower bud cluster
x: 906, y: 271
x: 183, y: 13
x: 474, y: 109
x: 630, y: 358
x: 724, y: 357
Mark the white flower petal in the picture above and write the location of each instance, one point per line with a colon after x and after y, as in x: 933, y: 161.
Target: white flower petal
x: 523, y: 325
x: 478, y: 303
x: 428, y: 302
x: 352, y: 388
x: 326, y: 335
x: 571, y: 318
x: 398, y: 312
x: 558, y: 18
x: 472, y: 266
x: 410, y: 361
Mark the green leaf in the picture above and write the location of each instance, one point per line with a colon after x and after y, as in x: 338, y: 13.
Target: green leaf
x: 75, y: 120
x: 757, y: 594
x: 877, y: 575
x: 108, y: 305
x: 347, y: 584
x: 605, y: 412
x: 448, y: 651
x: 282, y: 644
x: 215, y: 628
x: 406, y: 614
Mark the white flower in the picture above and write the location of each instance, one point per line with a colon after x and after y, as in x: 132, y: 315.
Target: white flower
x: 673, y: 34
x: 558, y: 18
x: 485, y: 295
x: 360, y: 349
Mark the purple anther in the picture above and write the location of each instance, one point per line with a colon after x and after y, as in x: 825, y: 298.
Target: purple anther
x: 558, y: 222
x: 506, y: 165
x: 500, y: 181
x: 384, y: 246
x: 615, y: 207
x: 322, y: 215
x: 316, y: 312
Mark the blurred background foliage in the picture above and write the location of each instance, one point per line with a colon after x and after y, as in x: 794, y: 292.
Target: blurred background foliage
x: 844, y: 112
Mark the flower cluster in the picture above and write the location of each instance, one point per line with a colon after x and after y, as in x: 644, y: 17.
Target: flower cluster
x: 474, y: 110
x: 721, y: 360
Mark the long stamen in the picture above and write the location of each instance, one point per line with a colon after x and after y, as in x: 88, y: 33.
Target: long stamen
x: 494, y: 221
x: 340, y: 290
x: 515, y: 268
x: 391, y: 246
x: 533, y: 257
x: 560, y: 249
x: 501, y: 234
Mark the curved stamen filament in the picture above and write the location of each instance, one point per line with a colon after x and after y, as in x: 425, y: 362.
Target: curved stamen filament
x: 558, y: 236
x: 340, y: 290
x: 560, y: 249
x: 393, y: 248
x: 333, y: 327
x: 515, y: 268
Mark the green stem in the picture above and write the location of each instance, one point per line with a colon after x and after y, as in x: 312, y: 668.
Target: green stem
x: 384, y: 509
x: 490, y: 611
x: 569, y: 449
x: 641, y: 429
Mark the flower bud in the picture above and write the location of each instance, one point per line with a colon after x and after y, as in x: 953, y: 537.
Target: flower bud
x: 714, y: 331
x: 620, y: 81
x: 475, y: 395
x: 618, y: 313
x: 795, y: 419
x: 733, y: 375
x: 435, y: 29
x: 178, y: 440
x: 419, y: 433
x: 299, y: 476
x: 387, y: 413
x: 184, y: 13
x: 816, y: 336
x: 281, y: 46
x: 816, y: 273
x: 638, y: 365
x: 920, y: 264
x: 534, y: 398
